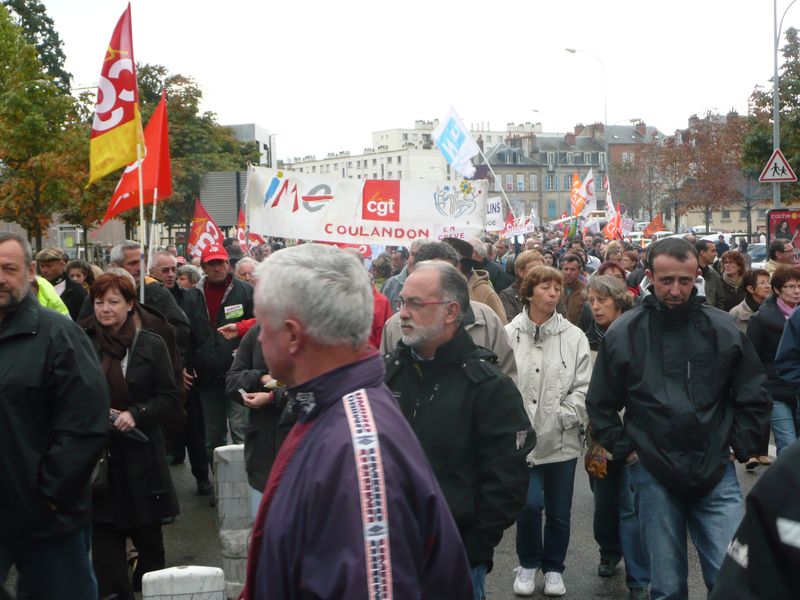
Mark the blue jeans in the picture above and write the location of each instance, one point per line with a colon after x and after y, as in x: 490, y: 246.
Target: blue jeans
x: 478, y: 581
x: 616, y: 526
x: 712, y: 521
x: 549, y: 488
x: 784, y: 424
x: 54, y: 568
x: 255, y: 501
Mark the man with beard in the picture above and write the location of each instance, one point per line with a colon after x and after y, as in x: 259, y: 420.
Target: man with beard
x: 53, y: 425
x: 467, y: 415
x: 52, y: 266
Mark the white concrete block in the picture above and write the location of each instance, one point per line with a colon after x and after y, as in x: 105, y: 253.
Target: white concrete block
x: 184, y: 583
x: 234, y: 589
x: 229, y: 464
x: 235, y: 542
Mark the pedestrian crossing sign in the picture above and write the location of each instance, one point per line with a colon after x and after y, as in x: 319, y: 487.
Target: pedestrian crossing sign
x: 777, y: 169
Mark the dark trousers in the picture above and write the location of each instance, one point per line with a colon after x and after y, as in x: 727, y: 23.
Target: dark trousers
x: 53, y: 569
x: 191, y: 439
x: 111, y: 562
x: 549, y: 489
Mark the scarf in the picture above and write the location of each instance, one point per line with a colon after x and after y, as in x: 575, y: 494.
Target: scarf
x: 113, y: 349
x: 752, y: 303
x: 787, y: 310
x: 734, y: 282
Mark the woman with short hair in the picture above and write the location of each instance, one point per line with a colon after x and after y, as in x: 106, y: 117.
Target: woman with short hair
x: 733, y: 268
x: 554, y: 369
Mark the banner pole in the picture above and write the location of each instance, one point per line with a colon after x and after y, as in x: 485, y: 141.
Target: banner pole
x: 500, y: 183
x: 142, y: 231
x: 151, y: 249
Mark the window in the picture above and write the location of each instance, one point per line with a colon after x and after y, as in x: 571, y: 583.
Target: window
x: 374, y: 175
x: 389, y: 175
x: 627, y: 158
x: 552, y: 210
x: 534, y: 183
x: 374, y: 161
x: 602, y: 160
x: 587, y: 158
x: 762, y: 212
x: 399, y: 174
x: 399, y: 160
x: 726, y: 214
x: 743, y: 214
x: 314, y: 169
x: 549, y: 181
x: 567, y: 182
x: 405, y: 137
x: 551, y: 158
x: 365, y: 163
x: 509, y: 182
x: 520, y: 183
x: 349, y: 164
x: 570, y: 158
x: 389, y: 160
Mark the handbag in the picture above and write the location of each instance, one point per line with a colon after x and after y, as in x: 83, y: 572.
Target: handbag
x: 595, y: 461
x: 99, y: 476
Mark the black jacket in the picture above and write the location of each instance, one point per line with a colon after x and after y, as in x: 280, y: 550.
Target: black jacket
x: 692, y: 387
x: 765, y: 329
x: 763, y: 560
x: 53, y: 420
x: 210, y: 353
x: 140, y: 491
x: 731, y: 295
x: 471, y: 423
x: 497, y: 275
x: 73, y: 296
x: 263, y: 438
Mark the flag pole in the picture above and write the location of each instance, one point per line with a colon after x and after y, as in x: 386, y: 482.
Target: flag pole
x: 143, y: 232
x: 150, y: 249
x: 500, y: 183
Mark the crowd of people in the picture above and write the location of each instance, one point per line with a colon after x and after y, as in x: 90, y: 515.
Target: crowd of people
x: 398, y: 414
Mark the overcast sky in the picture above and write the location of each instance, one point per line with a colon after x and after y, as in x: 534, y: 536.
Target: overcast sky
x: 323, y: 75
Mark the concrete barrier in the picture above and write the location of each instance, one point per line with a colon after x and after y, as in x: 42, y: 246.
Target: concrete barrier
x: 184, y: 583
x: 233, y: 514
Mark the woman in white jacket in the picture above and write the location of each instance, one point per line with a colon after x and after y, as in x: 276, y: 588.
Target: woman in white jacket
x: 554, y: 367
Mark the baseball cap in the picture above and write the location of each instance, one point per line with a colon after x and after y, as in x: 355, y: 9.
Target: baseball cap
x: 214, y: 252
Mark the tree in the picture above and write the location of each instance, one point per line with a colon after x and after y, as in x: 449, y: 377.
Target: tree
x: 673, y: 168
x: 636, y: 184
x: 34, y: 116
x: 40, y: 32
x: 749, y: 194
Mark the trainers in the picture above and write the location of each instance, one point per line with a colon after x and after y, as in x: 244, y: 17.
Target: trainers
x: 525, y: 581
x: 204, y: 487
x: 553, y: 584
x: 606, y: 568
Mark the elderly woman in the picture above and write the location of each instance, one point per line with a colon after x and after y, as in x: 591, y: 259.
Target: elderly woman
x: 733, y: 268
x: 189, y: 276
x: 511, y: 297
x: 765, y: 330
x: 554, y: 369
x: 133, y: 493
x: 616, y: 527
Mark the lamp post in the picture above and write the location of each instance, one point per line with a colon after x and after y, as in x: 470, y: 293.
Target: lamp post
x: 605, y: 100
x: 776, y: 126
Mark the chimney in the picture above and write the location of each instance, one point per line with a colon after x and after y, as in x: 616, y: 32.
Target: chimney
x: 569, y: 139
x: 578, y: 128
x: 480, y: 142
x: 641, y: 128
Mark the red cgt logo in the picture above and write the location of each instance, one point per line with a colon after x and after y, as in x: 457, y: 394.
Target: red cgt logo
x: 380, y: 200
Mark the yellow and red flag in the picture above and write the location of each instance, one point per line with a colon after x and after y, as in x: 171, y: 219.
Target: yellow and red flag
x: 576, y: 200
x: 657, y: 224
x: 205, y: 231
x: 117, y: 125
x: 156, y: 169
x: 241, y: 231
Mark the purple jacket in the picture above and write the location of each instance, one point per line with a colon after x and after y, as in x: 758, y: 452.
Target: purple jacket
x: 315, y: 542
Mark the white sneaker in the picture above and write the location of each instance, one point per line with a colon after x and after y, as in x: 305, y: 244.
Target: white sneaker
x: 553, y: 584
x: 525, y: 581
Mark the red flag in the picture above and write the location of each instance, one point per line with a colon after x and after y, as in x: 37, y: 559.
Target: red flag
x: 204, y: 231
x: 241, y: 228
x: 117, y: 125
x: 254, y: 237
x: 156, y: 170
x: 657, y: 224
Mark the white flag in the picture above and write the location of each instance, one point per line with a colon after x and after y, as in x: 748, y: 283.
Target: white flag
x: 611, y: 210
x: 456, y: 144
x: 587, y: 191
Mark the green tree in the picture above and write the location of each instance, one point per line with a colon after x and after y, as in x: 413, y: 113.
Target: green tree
x: 34, y: 116
x: 40, y: 32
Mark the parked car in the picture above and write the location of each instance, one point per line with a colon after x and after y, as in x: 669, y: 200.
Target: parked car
x: 758, y: 255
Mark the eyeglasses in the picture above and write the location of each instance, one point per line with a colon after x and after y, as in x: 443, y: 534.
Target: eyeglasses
x: 792, y: 287
x: 414, y: 305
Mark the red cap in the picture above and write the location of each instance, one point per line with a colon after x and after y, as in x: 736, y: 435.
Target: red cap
x: 214, y: 252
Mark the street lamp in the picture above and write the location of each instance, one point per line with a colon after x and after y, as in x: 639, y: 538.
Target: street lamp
x: 776, y: 130
x: 605, y: 100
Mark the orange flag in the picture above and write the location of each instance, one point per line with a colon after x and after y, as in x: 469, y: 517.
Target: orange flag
x: 657, y: 224
x: 204, y: 231
x: 156, y: 170
x: 117, y: 125
x: 576, y: 200
x: 241, y: 232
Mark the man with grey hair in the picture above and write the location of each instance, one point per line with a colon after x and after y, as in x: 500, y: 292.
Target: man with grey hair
x: 245, y: 269
x: 164, y: 268
x: 54, y: 410
x: 467, y: 414
x: 391, y: 289
x: 498, y: 277
x: 350, y: 471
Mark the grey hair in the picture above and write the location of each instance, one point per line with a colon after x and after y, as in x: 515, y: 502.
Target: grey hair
x: 27, y: 251
x: 418, y: 242
x: 323, y: 287
x: 452, y: 284
x: 479, y: 247
x: 609, y: 286
x: 245, y: 261
x: 117, y: 255
x: 192, y: 273
x: 122, y: 272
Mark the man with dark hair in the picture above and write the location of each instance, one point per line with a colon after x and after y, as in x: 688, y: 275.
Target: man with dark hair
x: 574, y: 293
x: 707, y: 253
x: 438, y: 375
x: 721, y: 246
x: 693, y: 390
x: 54, y: 410
x: 480, y: 288
x: 781, y: 252
x: 52, y: 266
x: 399, y: 260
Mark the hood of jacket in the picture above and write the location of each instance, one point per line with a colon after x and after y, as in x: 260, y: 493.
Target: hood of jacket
x: 522, y: 324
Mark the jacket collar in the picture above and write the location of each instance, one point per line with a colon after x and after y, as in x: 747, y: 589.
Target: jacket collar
x: 316, y: 395
x: 23, y: 321
x: 451, y: 352
x: 539, y: 332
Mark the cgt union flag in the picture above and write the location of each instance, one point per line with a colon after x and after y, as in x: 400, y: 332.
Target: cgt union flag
x: 204, y: 231
x: 156, y: 170
x: 117, y: 125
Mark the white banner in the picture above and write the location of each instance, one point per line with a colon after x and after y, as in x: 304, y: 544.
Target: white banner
x: 372, y: 211
x: 494, y: 214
